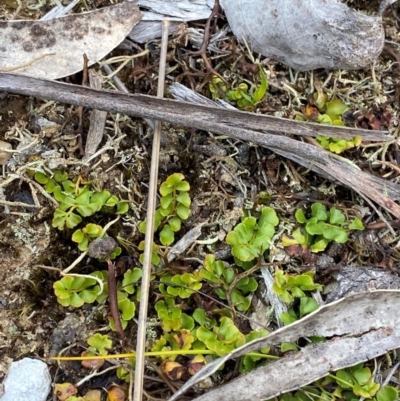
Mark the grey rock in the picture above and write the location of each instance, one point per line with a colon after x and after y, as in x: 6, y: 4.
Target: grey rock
x: 27, y: 380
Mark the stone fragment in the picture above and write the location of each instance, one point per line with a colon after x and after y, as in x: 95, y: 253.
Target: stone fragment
x: 27, y: 380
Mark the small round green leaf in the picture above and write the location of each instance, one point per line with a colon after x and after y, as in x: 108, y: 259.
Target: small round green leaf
x: 167, y: 236
x: 307, y: 305
x: 89, y: 296
x: 111, y: 201
x: 166, y: 189
x: 174, y: 179
x: 387, y: 393
x: 100, y: 342
x: 318, y: 210
x: 83, y: 245
x: 93, y: 230
x: 60, y: 176
x: 122, y: 207
x: 175, y: 224
x: 72, y: 220
x: 127, y: 309
x: 76, y: 300
x: 184, y: 199
x: 182, y: 211
x: 166, y: 201
x: 357, y: 224
x: 77, y: 236
x: 285, y: 347
x: 336, y: 216
x: 183, y: 186
x: 300, y: 217
x: 41, y: 178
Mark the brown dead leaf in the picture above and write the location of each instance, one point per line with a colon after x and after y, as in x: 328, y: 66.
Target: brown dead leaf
x: 311, y: 112
x: 117, y: 393
x: 92, y: 363
x: 93, y: 395
x: 174, y: 370
x: 64, y: 390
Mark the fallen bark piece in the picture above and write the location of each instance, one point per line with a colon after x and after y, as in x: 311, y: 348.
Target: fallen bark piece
x: 374, y: 332
x: 350, y: 279
x: 97, y: 119
x: 308, y: 35
x: 54, y: 48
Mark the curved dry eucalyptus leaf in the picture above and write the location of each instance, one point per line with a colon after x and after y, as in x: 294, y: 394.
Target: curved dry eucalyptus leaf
x: 54, y: 49
x: 373, y: 311
x: 306, y: 366
x: 309, y: 34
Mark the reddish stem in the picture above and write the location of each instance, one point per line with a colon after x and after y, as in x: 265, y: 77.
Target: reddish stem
x: 113, y: 301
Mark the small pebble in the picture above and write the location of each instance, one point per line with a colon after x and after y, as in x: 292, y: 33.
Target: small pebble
x: 27, y: 380
x: 5, y: 156
x: 102, y: 247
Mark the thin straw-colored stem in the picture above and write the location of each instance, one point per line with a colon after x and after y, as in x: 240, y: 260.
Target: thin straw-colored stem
x: 151, y: 206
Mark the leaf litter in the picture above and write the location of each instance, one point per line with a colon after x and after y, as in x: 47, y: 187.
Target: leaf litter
x: 284, y: 174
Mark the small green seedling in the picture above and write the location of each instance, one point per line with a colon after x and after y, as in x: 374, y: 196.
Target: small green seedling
x: 50, y: 183
x: 246, y: 98
x: 171, y: 316
x: 349, y: 384
x: 87, y: 203
x: 359, y: 379
x: 325, y: 112
x: 87, y: 234
x: 155, y: 258
x: 201, y: 318
x: 99, y: 344
x: 329, y: 112
x: 288, y: 286
x: 76, y: 291
x: 252, y: 237
x: 180, y: 340
x: 183, y: 285
x: 217, y: 88
x: 76, y: 199
x: 222, y: 339
x: 338, y: 145
x: 296, y: 312
x: 321, y: 228
x: 249, y: 362
x: 222, y: 277
x: 127, y: 294
x: 174, y: 208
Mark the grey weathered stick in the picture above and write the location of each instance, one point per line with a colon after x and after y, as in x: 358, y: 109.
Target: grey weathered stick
x: 227, y: 122
x: 173, y: 111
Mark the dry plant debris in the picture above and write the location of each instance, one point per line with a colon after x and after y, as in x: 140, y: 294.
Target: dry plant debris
x: 227, y: 177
